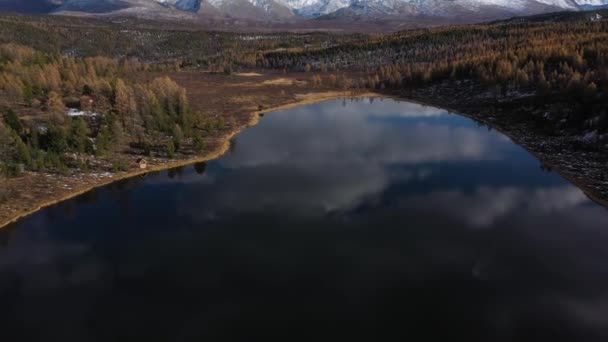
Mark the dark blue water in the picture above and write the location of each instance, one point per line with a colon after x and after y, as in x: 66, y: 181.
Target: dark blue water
x: 338, y: 221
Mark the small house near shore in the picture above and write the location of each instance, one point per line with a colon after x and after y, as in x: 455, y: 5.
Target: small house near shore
x: 141, y: 163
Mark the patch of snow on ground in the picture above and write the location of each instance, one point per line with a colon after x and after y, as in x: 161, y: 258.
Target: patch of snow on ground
x: 76, y: 112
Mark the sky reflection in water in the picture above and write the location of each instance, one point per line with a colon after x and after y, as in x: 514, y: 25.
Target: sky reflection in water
x: 343, y: 220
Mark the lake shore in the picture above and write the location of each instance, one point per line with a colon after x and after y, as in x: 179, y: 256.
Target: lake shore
x: 561, y: 154
x: 219, y: 149
x: 585, y: 170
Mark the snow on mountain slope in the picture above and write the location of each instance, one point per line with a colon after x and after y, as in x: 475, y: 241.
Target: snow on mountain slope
x: 270, y: 9
x: 311, y: 8
x: 566, y: 4
x: 184, y: 5
x: 592, y: 2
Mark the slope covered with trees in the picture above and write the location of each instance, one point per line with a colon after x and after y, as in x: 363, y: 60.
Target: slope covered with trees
x: 110, y: 110
x: 555, y: 61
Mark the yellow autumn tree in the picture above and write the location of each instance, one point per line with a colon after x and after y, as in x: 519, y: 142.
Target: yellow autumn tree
x: 55, y: 104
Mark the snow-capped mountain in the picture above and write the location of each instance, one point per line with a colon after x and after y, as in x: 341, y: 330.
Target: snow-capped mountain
x: 315, y: 8
x: 312, y: 8
x: 280, y: 9
x: 430, y: 7
x: 184, y: 5
x: 592, y: 4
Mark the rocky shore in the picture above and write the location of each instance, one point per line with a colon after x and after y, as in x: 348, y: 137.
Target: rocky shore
x: 575, y: 155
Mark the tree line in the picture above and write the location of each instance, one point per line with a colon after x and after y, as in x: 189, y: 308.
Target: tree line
x: 560, y: 60
x: 113, y: 111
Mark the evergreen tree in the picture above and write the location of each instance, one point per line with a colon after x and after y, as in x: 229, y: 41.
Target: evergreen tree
x: 13, y: 122
x: 55, y: 139
x: 178, y: 136
x: 78, y: 135
x: 170, y: 148
x: 199, y: 143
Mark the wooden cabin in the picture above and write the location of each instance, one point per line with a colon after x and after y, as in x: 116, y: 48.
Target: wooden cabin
x: 141, y: 163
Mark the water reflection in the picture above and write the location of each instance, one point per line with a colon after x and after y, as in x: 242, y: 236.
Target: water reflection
x: 342, y: 220
x: 200, y: 168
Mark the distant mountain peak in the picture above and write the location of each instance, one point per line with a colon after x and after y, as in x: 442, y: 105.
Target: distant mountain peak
x: 184, y: 5
x: 274, y: 9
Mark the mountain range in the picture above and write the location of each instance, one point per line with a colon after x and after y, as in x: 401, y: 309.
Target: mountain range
x: 284, y: 10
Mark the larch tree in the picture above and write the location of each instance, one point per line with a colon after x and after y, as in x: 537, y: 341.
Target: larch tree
x: 55, y: 104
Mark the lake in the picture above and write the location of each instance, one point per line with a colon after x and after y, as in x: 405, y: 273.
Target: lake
x: 365, y: 219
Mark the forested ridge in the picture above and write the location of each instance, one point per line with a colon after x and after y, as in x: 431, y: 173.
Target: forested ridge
x: 563, y: 60
x: 153, y: 42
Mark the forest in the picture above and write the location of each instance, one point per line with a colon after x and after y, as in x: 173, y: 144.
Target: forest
x: 95, y: 68
x: 109, y: 110
x: 553, y: 61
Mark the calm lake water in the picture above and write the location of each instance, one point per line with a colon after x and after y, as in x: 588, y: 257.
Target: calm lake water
x: 376, y: 220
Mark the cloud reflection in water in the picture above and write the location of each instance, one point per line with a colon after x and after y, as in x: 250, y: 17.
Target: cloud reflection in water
x: 352, y: 220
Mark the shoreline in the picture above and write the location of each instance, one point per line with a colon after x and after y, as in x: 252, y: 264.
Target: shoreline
x: 224, y: 146
x: 306, y: 99
x: 518, y: 138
